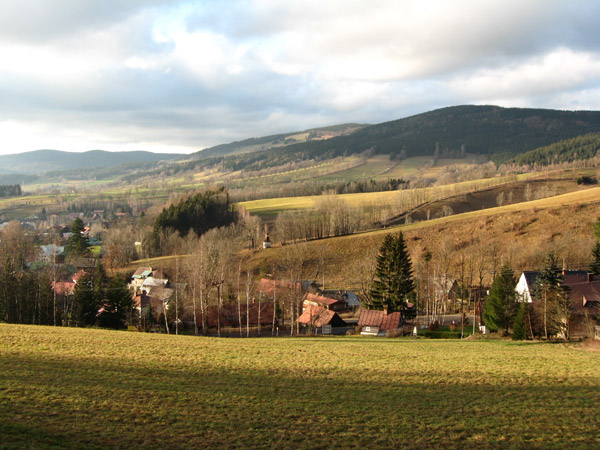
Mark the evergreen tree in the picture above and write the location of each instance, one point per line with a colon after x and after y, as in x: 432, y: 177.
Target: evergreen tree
x: 519, y: 331
x: 595, y: 265
x: 500, y: 307
x: 118, y: 304
x: 77, y: 244
x: 547, y: 290
x: 89, y: 296
x: 394, y: 285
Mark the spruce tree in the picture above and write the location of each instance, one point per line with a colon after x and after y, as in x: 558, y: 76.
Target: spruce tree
x: 394, y: 285
x: 89, y: 296
x: 118, y: 304
x: 500, y: 307
x: 77, y: 244
x: 519, y: 331
x: 595, y: 265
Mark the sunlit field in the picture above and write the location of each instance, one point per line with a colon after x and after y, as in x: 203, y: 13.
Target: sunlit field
x: 82, y: 388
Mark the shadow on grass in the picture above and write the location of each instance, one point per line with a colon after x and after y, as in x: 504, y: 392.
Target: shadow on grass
x: 94, y: 404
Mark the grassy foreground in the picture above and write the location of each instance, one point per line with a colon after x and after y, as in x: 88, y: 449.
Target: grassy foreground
x: 78, y: 388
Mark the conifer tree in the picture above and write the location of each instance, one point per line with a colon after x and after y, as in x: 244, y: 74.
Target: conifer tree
x: 500, y: 307
x: 117, y: 305
x: 595, y: 265
x: 519, y: 332
x: 77, y: 244
x: 394, y: 285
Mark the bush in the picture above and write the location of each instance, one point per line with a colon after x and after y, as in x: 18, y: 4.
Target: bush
x: 587, y: 180
x: 440, y: 334
x: 433, y: 326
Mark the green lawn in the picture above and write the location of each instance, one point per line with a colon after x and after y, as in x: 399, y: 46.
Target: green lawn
x: 77, y: 388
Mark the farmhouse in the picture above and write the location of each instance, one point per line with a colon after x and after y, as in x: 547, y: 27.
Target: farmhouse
x: 282, y: 288
x: 376, y: 323
x: 583, y: 290
x: 527, y: 282
x: 146, y: 279
x: 316, y: 317
x: 328, y: 303
x: 52, y: 254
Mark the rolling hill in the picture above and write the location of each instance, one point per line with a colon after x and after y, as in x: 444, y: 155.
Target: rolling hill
x: 499, y: 133
x: 42, y: 161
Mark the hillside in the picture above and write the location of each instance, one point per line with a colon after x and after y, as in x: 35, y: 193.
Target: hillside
x: 579, y: 148
x: 499, y: 133
x: 522, y: 233
x: 42, y: 161
x: 278, y: 140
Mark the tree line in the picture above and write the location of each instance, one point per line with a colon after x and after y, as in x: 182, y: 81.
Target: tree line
x: 10, y: 190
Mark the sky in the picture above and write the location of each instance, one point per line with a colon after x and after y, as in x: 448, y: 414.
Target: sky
x: 179, y: 76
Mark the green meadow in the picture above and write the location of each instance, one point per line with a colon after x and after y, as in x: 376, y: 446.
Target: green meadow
x: 84, y: 388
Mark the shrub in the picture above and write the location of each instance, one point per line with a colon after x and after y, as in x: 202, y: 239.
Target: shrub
x: 587, y: 180
x: 440, y: 334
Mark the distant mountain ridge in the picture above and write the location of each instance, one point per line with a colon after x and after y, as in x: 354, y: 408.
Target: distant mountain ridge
x: 42, y: 161
x: 497, y: 132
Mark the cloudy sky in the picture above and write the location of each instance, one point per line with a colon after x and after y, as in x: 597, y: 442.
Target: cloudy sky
x: 178, y: 76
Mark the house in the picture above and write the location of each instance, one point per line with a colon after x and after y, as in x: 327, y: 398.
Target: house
x: 147, y: 279
x: 376, y: 323
x: 313, y: 300
x: 583, y: 290
x: 348, y: 297
x: 52, y: 254
x: 528, y: 280
x: 67, y: 287
x: 282, y: 288
x: 317, y: 317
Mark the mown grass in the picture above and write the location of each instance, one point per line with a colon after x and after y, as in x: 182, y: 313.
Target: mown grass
x: 77, y: 388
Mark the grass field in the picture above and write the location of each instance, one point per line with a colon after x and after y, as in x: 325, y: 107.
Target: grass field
x: 272, y: 206
x: 78, y: 388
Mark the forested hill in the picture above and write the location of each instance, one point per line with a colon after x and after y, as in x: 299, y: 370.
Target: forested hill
x: 42, y: 161
x: 579, y: 148
x: 500, y: 133
x: 279, y: 140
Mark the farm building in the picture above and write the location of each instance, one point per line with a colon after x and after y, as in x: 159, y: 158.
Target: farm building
x: 583, y: 290
x: 376, y: 323
x: 317, y: 317
x: 313, y: 300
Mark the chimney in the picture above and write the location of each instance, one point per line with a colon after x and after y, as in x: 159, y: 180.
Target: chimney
x: 385, y: 309
x: 590, y: 276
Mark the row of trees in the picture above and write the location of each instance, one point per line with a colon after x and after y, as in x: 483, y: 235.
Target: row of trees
x: 10, y: 190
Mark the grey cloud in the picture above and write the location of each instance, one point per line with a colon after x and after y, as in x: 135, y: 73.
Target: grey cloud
x: 40, y: 21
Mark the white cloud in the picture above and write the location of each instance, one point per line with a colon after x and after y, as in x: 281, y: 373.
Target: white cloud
x: 189, y: 74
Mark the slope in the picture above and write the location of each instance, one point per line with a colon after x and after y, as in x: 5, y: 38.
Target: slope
x: 42, y: 161
x: 499, y: 133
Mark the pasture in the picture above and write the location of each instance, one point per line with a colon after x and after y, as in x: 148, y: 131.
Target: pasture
x: 76, y: 388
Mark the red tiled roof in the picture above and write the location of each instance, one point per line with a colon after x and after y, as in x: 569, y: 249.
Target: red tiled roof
x: 318, y: 317
x: 282, y: 287
x: 64, y: 287
x: 321, y: 300
x: 374, y: 318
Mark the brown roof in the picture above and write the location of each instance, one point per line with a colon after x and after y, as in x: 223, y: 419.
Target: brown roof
x: 321, y: 300
x: 584, y: 294
x: 318, y: 317
x: 64, y: 287
x: 373, y: 318
x: 281, y: 287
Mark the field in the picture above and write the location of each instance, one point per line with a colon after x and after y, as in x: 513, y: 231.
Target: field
x: 75, y: 388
